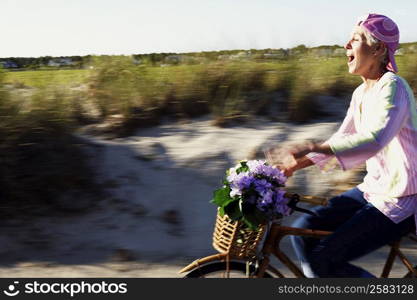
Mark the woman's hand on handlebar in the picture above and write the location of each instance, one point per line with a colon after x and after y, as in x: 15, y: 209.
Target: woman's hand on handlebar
x: 281, y: 158
x: 292, y: 164
x: 289, y: 159
x: 288, y: 172
x: 289, y: 165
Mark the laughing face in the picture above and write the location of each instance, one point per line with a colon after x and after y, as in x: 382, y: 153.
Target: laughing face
x: 361, y: 56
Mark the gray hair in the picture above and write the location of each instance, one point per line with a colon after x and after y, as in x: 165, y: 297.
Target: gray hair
x: 371, y: 40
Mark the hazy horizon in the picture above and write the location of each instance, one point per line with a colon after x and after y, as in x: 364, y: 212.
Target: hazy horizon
x: 125, y: 27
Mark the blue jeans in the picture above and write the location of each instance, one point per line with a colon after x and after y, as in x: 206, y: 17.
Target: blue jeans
x: 358, y: 229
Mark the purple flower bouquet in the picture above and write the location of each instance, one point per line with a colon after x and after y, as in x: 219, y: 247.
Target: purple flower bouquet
x: 253, y: 193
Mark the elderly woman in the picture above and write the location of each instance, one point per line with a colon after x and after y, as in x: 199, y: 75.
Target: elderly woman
x: 380, y: 129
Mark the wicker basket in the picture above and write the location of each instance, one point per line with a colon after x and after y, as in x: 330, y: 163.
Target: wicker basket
x: 233, y: 238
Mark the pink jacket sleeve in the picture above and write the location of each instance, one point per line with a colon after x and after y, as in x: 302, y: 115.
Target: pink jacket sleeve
x: 388, y: 117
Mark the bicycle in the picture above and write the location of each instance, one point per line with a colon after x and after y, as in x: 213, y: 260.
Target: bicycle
x: 239, y: 255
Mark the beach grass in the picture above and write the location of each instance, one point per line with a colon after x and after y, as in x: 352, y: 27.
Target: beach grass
x: 145, y: 94
x: 41, y: 161
x: 43, y: 78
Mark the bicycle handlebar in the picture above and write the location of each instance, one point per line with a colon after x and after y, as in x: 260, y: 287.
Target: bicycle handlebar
x: 313, y: 200
x: 309, y: 199
x: 295, y: 198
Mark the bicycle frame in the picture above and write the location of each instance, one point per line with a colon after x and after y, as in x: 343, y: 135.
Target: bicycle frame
x: 272, y: 245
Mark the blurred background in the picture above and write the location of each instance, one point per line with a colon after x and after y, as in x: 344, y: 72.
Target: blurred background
x: 118, y: 120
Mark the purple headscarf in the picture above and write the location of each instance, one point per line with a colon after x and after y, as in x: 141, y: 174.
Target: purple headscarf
x: 385, y: 30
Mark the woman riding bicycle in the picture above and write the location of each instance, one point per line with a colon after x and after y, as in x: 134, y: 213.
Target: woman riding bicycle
x: 380, y: 128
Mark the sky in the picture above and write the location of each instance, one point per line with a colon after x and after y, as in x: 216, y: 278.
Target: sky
x: 79, y: 27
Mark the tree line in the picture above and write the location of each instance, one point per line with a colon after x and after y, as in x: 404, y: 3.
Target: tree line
x: 197, y: 57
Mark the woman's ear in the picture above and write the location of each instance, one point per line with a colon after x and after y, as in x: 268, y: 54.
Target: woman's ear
x: 379, y: 49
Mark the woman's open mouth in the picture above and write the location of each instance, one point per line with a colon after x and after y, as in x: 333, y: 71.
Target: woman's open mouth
x: 350, y: 58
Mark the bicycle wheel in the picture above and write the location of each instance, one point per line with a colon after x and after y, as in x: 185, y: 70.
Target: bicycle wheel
x: 410, y: 274
x: 219, y: 270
